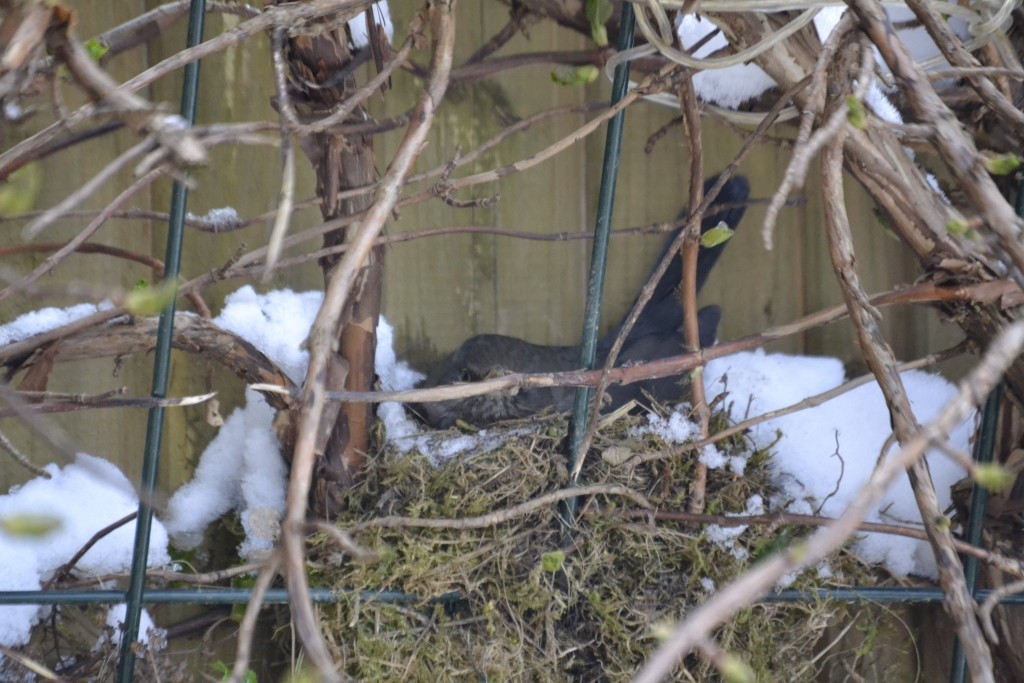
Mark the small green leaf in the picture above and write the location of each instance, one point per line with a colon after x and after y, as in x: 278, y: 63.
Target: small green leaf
x: 29, y: 526
x: 856, y: 114
x: 993, y: 476
x: 1002, y: 164
x: 775, y: 544
x: 957, y: 227
x: 21, y: 190
x: 96, y: 49
x: 575, y: 75
x: 598, y: 12
x: 797, y: 552
x: 552, y: 562
x: 735, y: 670
x: 719, y: 234
x: 145, y: 301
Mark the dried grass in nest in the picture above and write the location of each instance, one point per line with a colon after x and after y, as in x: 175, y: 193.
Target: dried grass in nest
x: 590, y: 617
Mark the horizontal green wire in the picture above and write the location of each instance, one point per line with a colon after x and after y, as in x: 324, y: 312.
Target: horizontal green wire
x: 278, y: 596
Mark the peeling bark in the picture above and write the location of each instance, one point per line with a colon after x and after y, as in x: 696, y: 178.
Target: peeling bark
x: 321, y: 79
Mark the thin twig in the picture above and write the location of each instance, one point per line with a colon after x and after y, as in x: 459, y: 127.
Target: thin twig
x: 345, y: 542
x: 991, y: 602
x: 66, y: 568
x: 286, y: 195
x: 76, y: 405
x: 773, y: 519
x: 87, y: 190
x: 880, y: 358
x: 807, y: 145
x: 502, y: 516
x: 55, y: 259
x: 21, y: 458
x: 247, y: 628
x: 155, y: 264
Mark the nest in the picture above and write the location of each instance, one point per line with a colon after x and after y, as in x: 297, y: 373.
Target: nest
x: 525, y: 599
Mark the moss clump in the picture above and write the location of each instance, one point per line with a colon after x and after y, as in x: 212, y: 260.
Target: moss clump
x: 519, y: 615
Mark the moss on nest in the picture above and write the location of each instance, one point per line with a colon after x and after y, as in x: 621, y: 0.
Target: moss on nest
x: 524, y: 613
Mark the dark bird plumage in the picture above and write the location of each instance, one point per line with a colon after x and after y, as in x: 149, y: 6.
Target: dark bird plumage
x: 657, y: 334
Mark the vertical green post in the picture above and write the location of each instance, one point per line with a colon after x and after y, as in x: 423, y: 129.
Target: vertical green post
x: 976, y: 515
x: 599, y: 256
x: 161, y: 371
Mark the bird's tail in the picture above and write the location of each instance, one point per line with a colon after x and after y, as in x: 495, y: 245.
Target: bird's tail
x: 663, y: 313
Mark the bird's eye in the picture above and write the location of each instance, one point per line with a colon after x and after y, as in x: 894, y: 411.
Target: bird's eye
x: 465, y: 375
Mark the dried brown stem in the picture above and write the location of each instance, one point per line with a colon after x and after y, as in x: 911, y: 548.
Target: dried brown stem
x: 247, y: 628
x: 881, y: 360
x: 691, y: 245
x: 950, y: 139
x: 955, y: 53
x: 502, y: 516
x: 324, y: 334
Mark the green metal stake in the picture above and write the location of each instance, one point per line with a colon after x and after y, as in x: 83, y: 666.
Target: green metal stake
x: 976, y: 516
x: 161, y: 371
x: 599, y: 256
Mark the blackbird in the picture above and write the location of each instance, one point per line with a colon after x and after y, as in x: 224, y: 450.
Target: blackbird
x: 656, y: 334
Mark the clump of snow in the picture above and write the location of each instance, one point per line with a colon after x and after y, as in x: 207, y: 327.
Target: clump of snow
x: 80, y: 499
x: 394, y: 375
x: 728, y: 87
x: 824, y: 455
x: 19, y: 571
x: 381, y: 16
x: 222, y: 219
x: 726, y: 536
x: 149, y: 635
x: 241, y: 469
x: 45, y: 319
x: 678, y: 428
x: 276, y: 323
x: 734, y: 85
